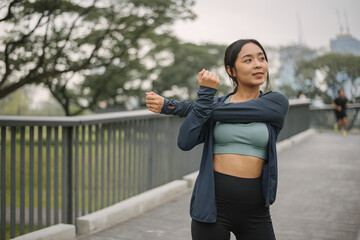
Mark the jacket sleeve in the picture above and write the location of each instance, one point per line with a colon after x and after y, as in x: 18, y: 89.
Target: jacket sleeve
x: 193, y: 130
x: 177, y: 108
x: 271, y: 108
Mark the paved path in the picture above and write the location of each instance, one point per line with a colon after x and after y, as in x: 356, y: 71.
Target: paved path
x: 318, y: 197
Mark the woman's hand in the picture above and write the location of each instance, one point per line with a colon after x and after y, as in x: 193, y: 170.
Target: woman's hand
x: 154, y: 102
x: 208, y: 79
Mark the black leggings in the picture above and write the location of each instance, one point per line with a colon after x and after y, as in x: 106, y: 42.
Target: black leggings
x: 240, y: 210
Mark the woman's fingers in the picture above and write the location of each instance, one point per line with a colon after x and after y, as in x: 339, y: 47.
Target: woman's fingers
x: 151, y: 97
x: 208, y: 79
x: 154, y: 102
x: 201, y: 72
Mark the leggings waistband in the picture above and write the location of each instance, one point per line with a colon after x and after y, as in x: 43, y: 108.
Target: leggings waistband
x: 234, y: 189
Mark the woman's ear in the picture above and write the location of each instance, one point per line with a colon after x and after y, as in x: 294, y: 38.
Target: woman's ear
x: 229, y: 71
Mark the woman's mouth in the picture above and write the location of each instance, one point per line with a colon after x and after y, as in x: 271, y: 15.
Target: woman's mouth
x: 259, y: 74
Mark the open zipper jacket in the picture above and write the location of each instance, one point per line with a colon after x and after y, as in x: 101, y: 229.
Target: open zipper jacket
x: 198, y: 127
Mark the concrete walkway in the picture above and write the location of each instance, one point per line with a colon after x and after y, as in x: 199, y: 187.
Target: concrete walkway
x: 318, y: 197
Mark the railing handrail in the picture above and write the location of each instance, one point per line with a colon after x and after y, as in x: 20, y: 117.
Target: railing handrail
x: 330, y: 106
x: 301, y: 101
x: 19, y: 121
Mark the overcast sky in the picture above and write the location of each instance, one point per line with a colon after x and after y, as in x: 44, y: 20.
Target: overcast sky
x: 272, y: 22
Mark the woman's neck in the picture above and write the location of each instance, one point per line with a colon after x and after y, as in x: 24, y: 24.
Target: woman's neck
x: 245, y: 94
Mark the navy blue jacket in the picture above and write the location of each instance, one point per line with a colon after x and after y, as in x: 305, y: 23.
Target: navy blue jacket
x: 198, y: 127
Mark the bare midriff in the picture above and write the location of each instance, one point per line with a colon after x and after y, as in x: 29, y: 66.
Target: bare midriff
x: 238, y: 165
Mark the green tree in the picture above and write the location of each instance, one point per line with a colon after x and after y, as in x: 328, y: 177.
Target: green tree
x: 290, y: 56
x: 288, y: 90
x: 326, y: 74
x: 181, y: 63
x: 81, y: 50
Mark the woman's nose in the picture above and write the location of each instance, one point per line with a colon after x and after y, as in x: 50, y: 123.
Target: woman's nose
x: 257, y: 64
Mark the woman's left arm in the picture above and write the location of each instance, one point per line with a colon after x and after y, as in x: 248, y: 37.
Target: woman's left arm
x: 271, y: 108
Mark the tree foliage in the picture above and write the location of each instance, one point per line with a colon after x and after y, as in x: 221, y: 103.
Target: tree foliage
x: 326, y: 74
x: 290, y: 56
x: 82, y: 50
x: 185, y: 60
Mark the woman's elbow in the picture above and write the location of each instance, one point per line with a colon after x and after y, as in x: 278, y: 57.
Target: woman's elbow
x: 184, y: 145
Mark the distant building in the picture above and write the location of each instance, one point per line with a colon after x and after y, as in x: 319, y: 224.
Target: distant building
x: 345, y: 44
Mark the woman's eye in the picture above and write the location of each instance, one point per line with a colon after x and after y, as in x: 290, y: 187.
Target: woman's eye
x: 262, y: 58
x: 248, y: 60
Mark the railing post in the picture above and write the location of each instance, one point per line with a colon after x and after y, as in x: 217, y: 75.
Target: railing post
x: 69, y: 175
x: 67, y: 181
x: 150, y: 154
x: 3, y: 183
x: 13, y: 182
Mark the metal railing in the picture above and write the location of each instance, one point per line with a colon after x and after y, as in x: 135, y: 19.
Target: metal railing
x: 297, y: 119
x: 324, y: 118
x: 55, y: 169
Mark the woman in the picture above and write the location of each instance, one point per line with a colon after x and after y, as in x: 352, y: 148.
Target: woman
x: 237, y: 180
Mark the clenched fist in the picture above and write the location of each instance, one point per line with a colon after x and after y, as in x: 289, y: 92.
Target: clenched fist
x: 208, y: 79
x: 154, y: 102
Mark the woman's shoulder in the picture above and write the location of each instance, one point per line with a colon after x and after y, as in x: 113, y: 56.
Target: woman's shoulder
x: 276, y: 96
x: 218, y: 99
x: 272, y: 96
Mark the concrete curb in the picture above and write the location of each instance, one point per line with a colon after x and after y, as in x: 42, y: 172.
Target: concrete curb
x: 56, y: 232
x: 287, y: 143
x: 130, y: 208
x: 191, y: 178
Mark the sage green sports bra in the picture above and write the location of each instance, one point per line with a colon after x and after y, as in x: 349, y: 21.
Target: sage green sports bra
x: 245, y: 139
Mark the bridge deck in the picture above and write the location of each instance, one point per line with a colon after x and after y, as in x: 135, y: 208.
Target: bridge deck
x: 318, y: 197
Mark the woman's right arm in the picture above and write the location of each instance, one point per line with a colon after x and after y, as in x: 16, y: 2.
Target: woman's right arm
x: 158, y: 104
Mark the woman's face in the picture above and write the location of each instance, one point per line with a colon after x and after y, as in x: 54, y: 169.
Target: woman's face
x: 251, y: 67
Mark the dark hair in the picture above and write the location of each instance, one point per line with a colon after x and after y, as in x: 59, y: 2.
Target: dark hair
x: 231, y: 54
